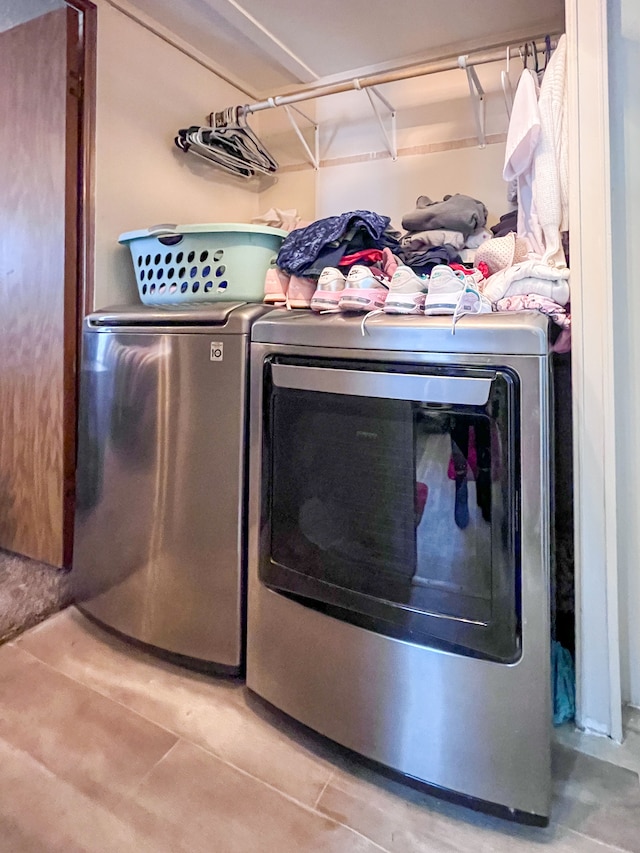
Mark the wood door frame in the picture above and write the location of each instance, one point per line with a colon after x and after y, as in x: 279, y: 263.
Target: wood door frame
x: 79, y: 229
x: 598, y: 693
x: 85, y: 222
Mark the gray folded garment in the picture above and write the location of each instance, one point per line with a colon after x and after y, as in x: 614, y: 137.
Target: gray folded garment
x: 417, y: 240
x: 454, y: 213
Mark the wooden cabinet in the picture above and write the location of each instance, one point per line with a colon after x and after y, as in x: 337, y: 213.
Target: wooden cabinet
x: 40, y: 190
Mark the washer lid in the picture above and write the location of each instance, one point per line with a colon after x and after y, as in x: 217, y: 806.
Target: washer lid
x: 235, y: 317
x: 168, y: 231
x: 508, y: 333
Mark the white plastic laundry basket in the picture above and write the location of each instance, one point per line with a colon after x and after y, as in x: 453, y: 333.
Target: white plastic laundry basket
x: 202, y: 263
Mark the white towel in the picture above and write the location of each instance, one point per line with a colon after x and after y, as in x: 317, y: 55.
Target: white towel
x: 551, y: 178
x: 522, y: 142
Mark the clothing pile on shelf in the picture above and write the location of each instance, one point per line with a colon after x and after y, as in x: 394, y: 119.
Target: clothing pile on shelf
x: 359, y: 237
x: 376, y: 269
x: 357, y: 262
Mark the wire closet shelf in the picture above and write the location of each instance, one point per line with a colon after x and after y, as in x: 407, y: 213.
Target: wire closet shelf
x: 230, y: 143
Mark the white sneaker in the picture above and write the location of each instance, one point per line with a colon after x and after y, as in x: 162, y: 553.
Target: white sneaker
x: 330, y: 287
x: 364, y: 291
x: 407, y: 292
x: 445, y: 287
x: 470, y: 301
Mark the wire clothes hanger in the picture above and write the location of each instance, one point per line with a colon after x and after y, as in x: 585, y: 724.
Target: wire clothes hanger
x: 229, y: 143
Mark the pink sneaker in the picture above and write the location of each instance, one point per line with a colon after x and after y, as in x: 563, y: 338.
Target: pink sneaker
x: 364, y: 291
x: 330, y: 288
x: 276, y: 283
x: 300, y: 292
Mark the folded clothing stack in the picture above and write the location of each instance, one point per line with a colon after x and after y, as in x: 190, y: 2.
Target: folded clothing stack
x: 520, y: 281
x: 441, y: 232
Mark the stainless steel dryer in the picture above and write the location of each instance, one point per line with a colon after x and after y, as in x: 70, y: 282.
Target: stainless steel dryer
x: 160, y: 533
x: 399, y: 565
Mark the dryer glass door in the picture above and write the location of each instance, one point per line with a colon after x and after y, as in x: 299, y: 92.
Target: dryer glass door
x: 391, y: 498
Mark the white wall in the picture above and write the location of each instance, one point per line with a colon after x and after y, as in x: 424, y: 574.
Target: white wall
x: 624, y: 61
x: 146, y: 91
x: 293, y: 190
x: 391, y: 188
x: 294, y: 185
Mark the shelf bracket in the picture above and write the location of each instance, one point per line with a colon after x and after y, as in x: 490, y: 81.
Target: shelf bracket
x: 313, y: 156
x: 477, y: 99
x: 390, y: 138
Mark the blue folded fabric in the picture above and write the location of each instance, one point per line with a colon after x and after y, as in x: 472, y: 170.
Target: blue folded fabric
x: 303, y: 246
x: 563, y: 684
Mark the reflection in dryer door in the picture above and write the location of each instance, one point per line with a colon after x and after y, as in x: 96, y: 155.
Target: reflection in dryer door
x: 397, y: 515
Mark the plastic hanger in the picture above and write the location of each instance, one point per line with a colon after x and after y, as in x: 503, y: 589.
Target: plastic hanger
x: 231, y: 124
x: 229, y: 143
x: 197, y: 140
x: 507, y: 88
x: 534, y: 56
x: 547, y: 51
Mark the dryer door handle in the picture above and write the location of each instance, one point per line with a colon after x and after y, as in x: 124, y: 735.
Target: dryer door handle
x: 422, y: 388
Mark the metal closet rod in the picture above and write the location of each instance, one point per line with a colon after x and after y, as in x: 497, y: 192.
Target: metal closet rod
x: 447, y: 63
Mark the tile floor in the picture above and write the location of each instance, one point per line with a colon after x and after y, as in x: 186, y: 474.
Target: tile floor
x: 103, y: 748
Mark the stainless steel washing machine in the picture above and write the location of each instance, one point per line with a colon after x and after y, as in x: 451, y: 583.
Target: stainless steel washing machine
x: 399, y: 544
x: 160, y: 529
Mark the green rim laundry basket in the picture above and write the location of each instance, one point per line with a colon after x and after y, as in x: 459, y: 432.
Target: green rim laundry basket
x: 225, y: 261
